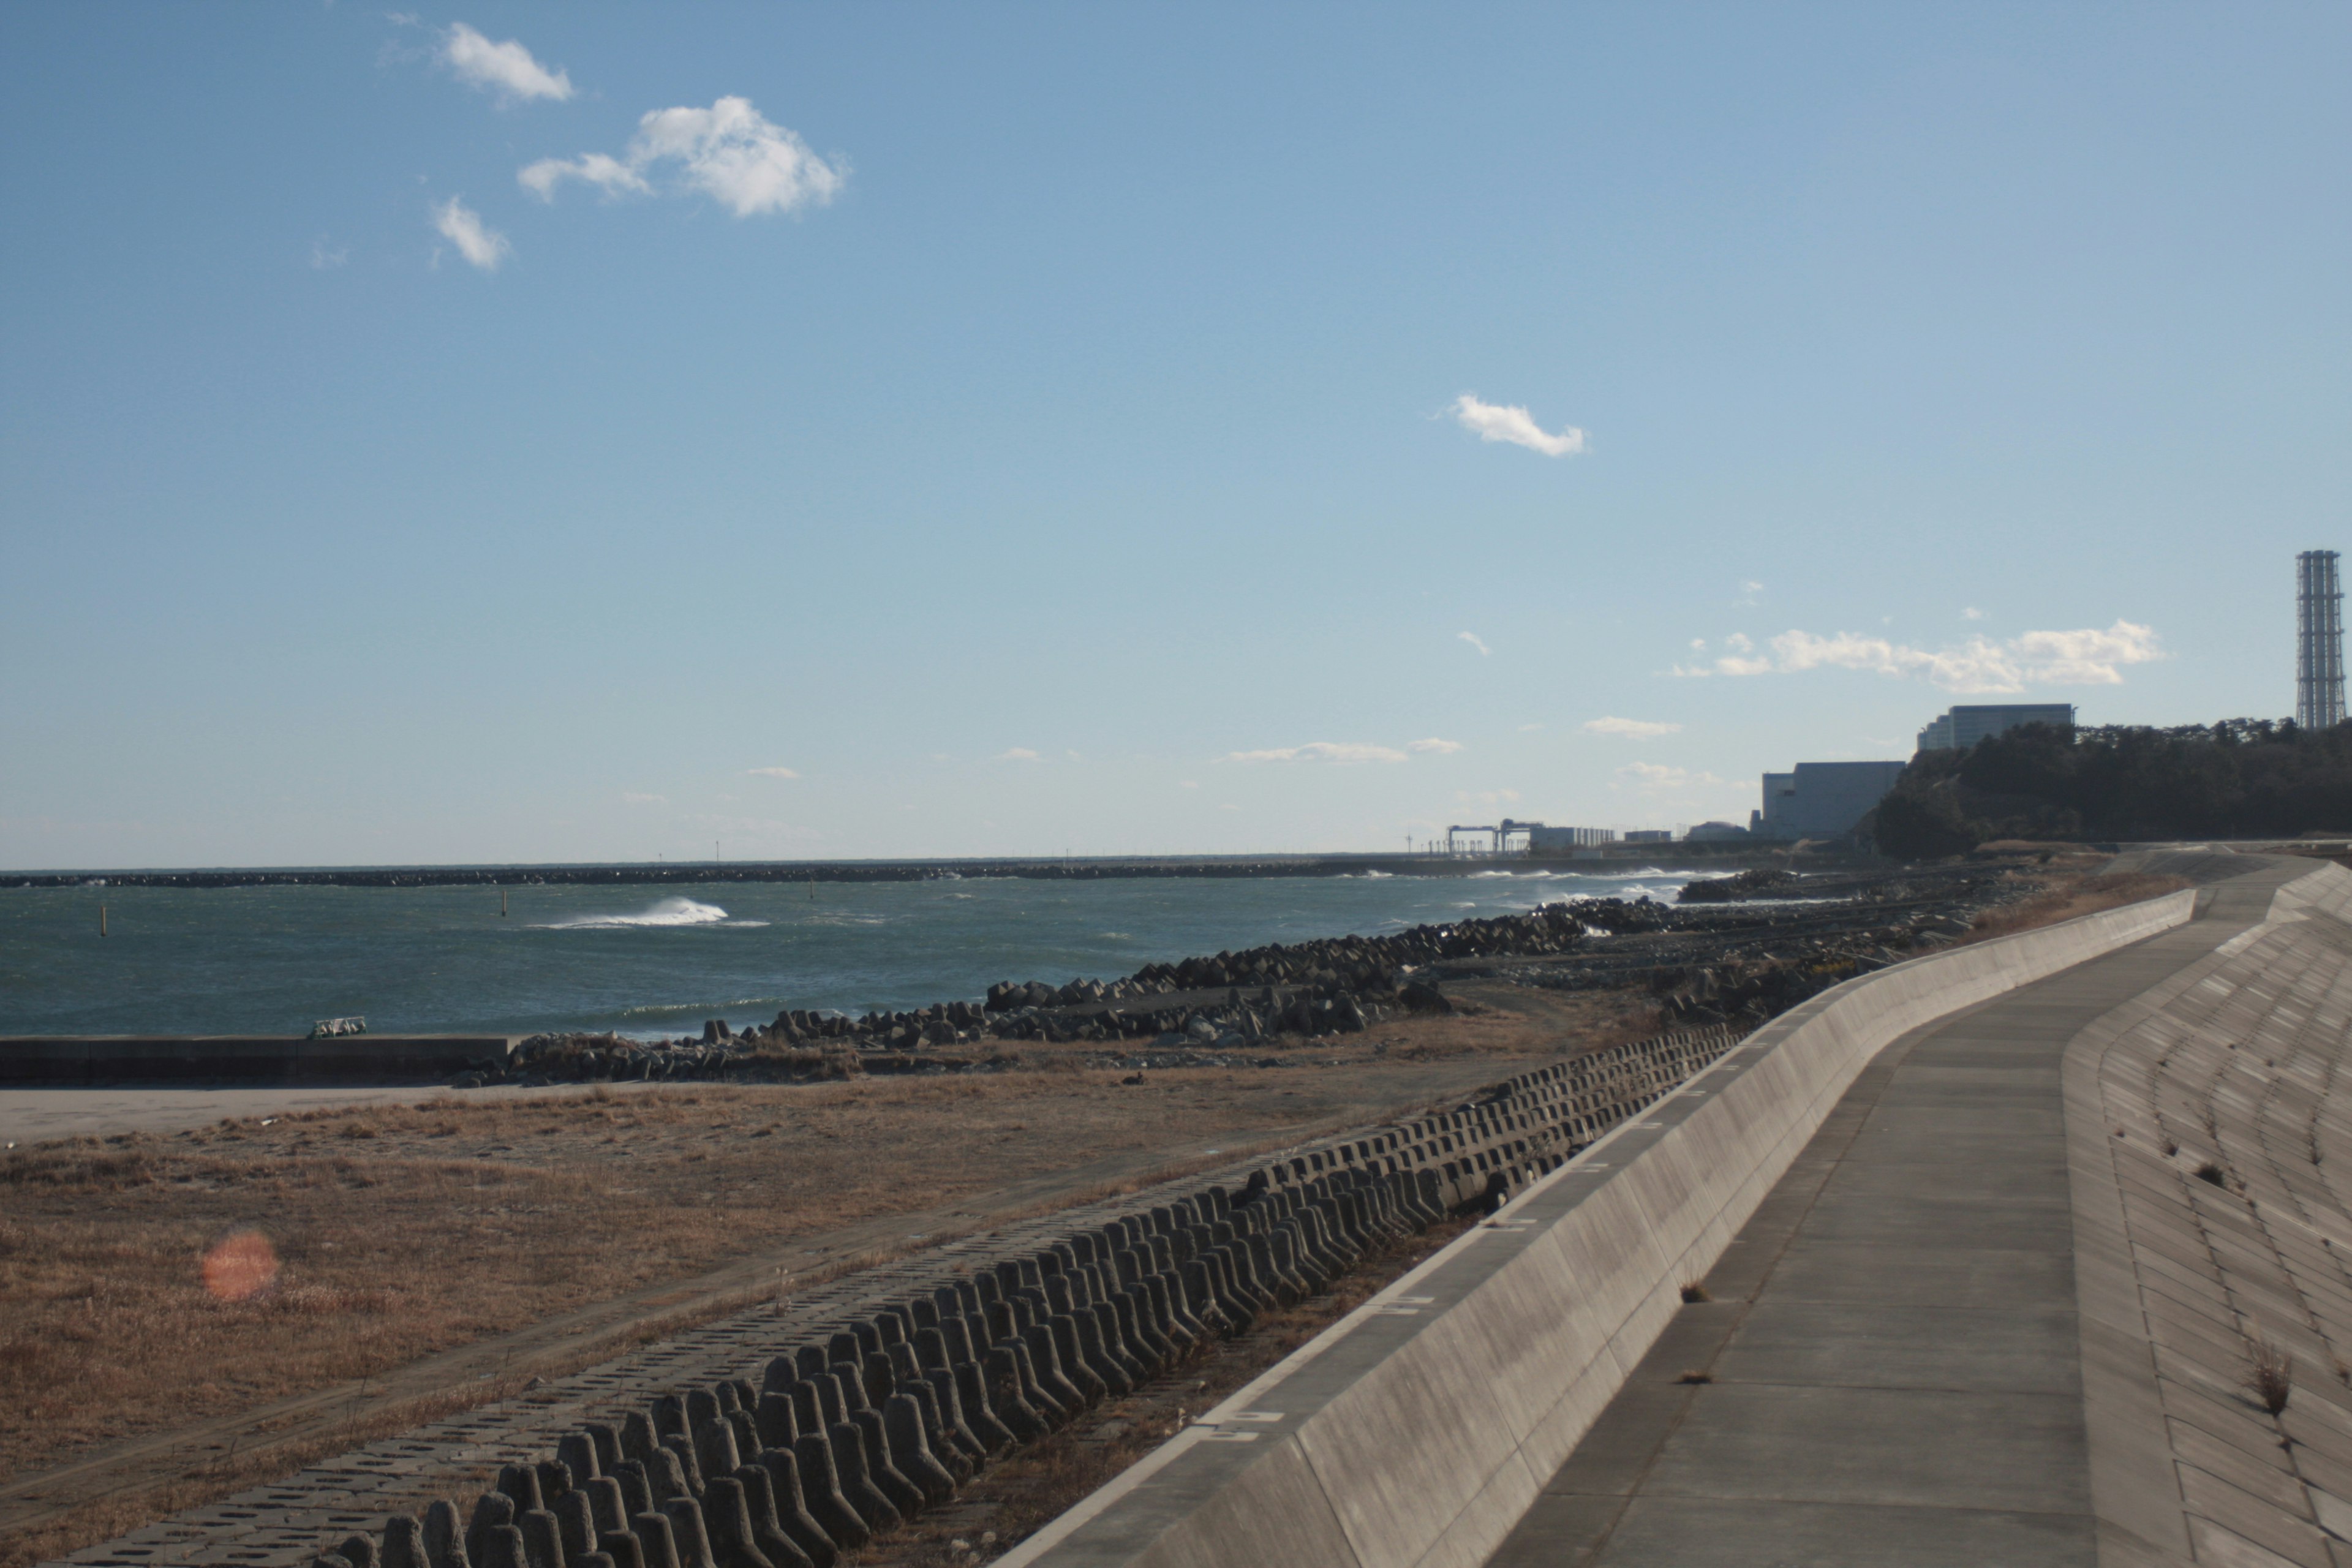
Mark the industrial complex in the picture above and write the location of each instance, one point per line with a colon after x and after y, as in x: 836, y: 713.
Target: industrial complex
x: 1828, y: 800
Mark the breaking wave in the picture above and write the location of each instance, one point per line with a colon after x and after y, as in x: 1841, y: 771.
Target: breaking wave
x: 663, y: 912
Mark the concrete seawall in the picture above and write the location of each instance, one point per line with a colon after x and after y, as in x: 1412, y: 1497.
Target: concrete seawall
x: 82, y: 1060
x: 1418, y: 1430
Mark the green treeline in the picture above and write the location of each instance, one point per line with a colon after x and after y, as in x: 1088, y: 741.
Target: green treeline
x: 2242, y: 778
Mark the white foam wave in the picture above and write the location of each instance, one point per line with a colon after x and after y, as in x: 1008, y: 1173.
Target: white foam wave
x: 664, y: 912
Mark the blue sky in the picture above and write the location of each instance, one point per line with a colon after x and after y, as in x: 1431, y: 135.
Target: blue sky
x: 1018, y: 428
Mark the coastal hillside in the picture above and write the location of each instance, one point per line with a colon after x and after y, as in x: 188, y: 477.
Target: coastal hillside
x: 2240, y: 778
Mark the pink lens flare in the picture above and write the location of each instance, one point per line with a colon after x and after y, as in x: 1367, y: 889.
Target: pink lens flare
x: 241, y: 1266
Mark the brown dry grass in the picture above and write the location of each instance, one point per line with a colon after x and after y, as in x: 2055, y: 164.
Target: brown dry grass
x: 401, y: 1231
x: 2067, y: 896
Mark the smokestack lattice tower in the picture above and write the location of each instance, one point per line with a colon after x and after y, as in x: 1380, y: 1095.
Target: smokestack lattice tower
x: 2320, y: 642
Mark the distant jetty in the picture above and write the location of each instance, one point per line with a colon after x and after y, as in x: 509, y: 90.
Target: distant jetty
x: 707, y: 871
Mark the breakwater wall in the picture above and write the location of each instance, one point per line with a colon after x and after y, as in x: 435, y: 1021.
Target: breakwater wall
x: 71, y: 1060
x: 885, y: 1415
x: 713, y: 872
x: 1417, y: 1430
x: 1711, y: 858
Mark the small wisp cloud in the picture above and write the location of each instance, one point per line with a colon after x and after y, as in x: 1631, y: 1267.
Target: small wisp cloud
x: 1658, y: 776
x: 1346, y: 752
x: 478, y: 243
x: 728, y: 151
x: 506, y: 70
x: 1472, y: 639
x: 772, y: 772
x: 2087, y: 657
x: 1633, y: 729
x: 1497, y: 422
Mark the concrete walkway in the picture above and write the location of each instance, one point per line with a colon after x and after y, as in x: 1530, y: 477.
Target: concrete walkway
x: 1890, y: 1371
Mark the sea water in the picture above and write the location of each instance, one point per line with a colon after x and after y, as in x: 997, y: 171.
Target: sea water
x: 656, y: 961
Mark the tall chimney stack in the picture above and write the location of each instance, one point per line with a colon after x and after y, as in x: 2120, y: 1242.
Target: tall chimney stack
x: 2320, y: 642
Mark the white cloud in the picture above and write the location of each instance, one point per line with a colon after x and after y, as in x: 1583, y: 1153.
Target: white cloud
x: 631, y: 797
x: 1486, y: 796
x: 730, y: 151
x: 1491, y: 422
x: 2088, y: 657
x: 1319, y: 751
x: 505, y: 68
x: 1636, y: 729
x: 772, y: 772
x: 1972, y: 614
x: 463, y: 227
x: 1188, y: 784
x: 1749, y: 592
x: 325, y: 256
x: 607, y: 173
x: 1529, y: 729
x: 1471, y: 638
x: 1433, y: 748
x: 1658, y: 776
x: 1016, y: 755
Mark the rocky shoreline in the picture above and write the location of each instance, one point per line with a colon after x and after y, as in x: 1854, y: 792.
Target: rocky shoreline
x: 1739, y: 950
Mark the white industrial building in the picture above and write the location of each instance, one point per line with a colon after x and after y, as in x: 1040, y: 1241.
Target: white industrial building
x: 1959, y: 728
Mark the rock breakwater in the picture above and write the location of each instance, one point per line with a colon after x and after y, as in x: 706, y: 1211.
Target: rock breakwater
x: 1761, y: 946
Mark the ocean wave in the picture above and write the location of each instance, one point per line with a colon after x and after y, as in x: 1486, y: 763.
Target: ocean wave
x: 662, y: 912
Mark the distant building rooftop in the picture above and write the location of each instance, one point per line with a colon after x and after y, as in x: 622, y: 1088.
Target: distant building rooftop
x: 1962, y: 727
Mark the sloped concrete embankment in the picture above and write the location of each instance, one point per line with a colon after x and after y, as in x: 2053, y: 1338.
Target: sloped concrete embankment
x: 2208, y: 1129
x: 1415, y: 1432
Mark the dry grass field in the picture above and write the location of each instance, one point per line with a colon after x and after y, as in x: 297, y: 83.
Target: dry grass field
x: 154, y: 1282
x: 2064, y: 897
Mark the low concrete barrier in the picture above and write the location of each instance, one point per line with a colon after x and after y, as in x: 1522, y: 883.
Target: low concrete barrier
x: 1416, y: 1431
x: 86, y: 1061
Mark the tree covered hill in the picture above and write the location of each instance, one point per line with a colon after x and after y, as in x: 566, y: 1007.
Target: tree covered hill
x: 2242, y: 778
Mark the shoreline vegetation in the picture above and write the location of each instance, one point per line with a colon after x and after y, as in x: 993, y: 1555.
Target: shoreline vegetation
x: 2238, y: 779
